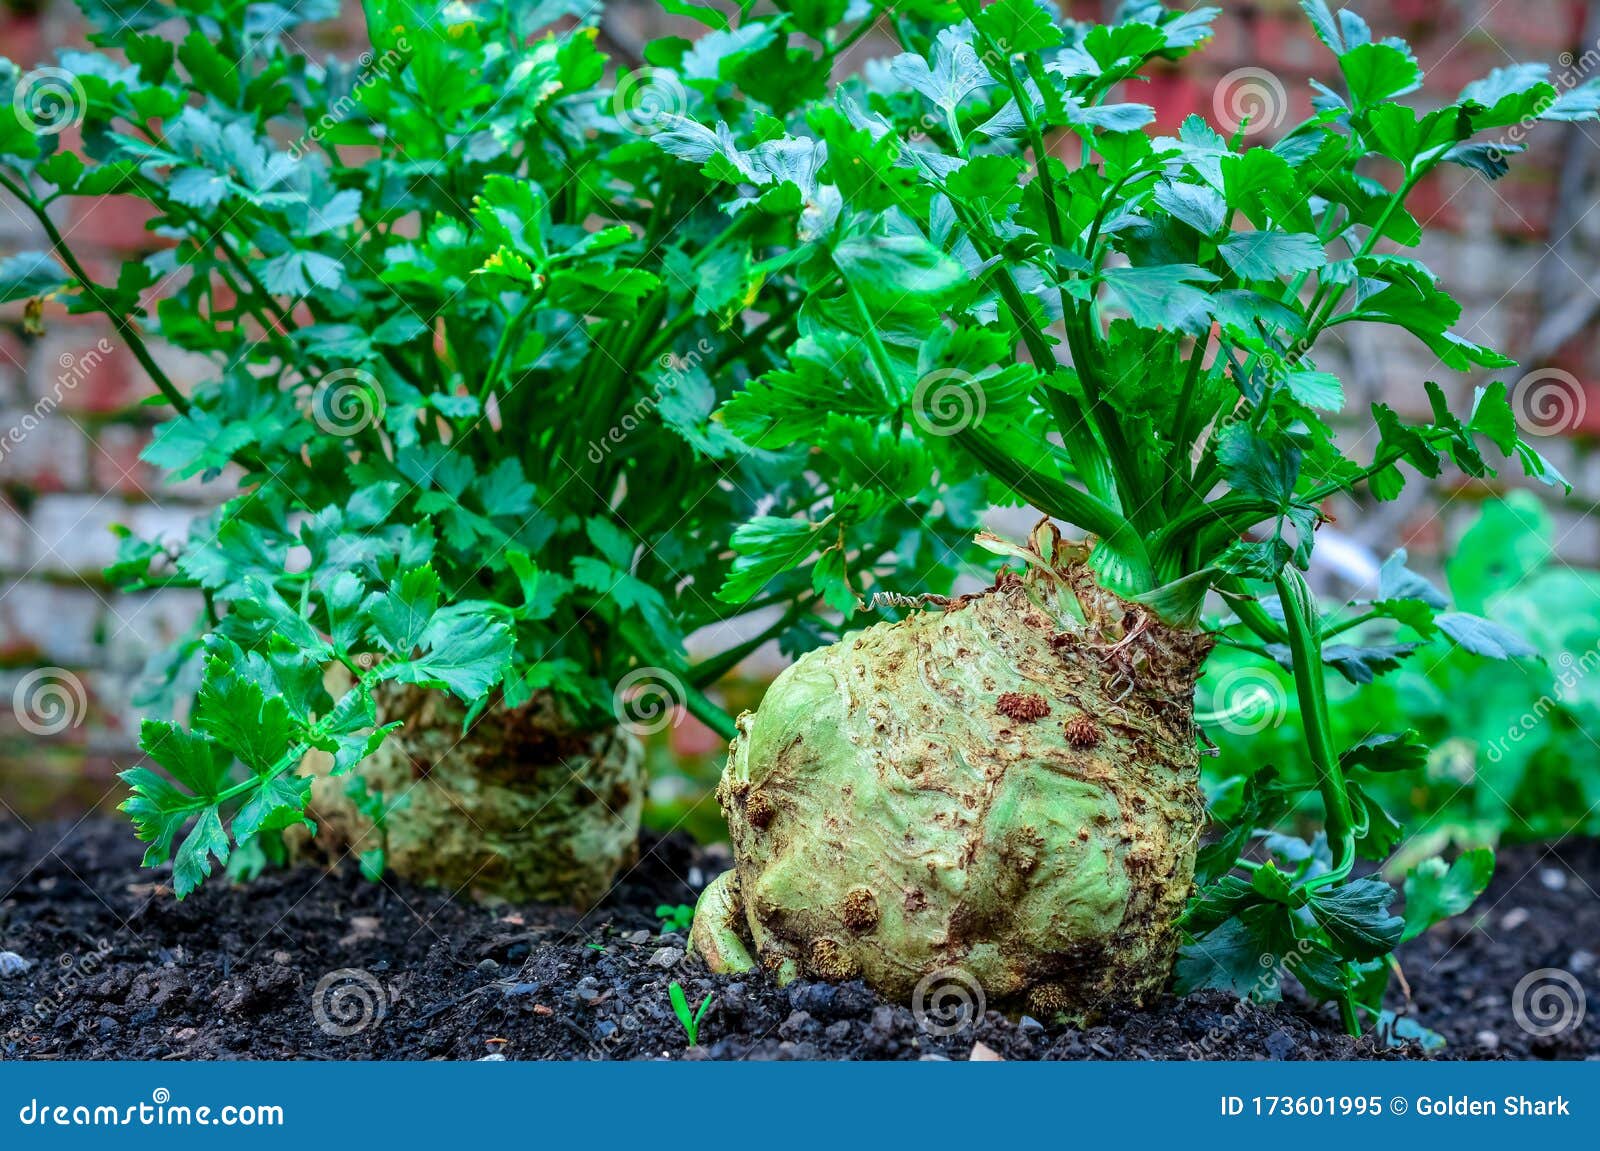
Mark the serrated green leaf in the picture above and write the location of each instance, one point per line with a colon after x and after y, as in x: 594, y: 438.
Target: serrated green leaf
x: 1405, y: 751
x: 1435, y: 892
x: 1355, y: 916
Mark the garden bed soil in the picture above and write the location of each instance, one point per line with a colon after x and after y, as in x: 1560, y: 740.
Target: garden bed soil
x: 305, y: 964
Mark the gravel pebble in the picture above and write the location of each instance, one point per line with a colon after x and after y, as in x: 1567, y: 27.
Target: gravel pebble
x: 13, y: 964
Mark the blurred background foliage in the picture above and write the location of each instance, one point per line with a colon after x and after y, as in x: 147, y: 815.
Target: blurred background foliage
x: 1514, y: 755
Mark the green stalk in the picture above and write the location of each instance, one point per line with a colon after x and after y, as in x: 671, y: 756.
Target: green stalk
x: 1178, y: 462
x: 713, y: 668
x: 860, y: 30
x: 698, y: 705
x: 875, y: 348
x: 1056, y: 497
x: 1077, y: 431
x: 1080, y: 335
x: 1303, y: 622
x: 1249, y: 610
x: 503, y: 348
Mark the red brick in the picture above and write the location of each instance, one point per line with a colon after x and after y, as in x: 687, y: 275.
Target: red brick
x: 1424, y: 535
x: 1522, y: 207
x: 1230, y: 39
x: 1287, y: 47
x: 1580, y: 356
x: 1433, y: 201
x: 114, y: 222
x: 114, y: 462
x: 22, y: 39
x: 83, y: 369
x: 1416, y: 13
x: 1174, y: 96
x: 42, y: 451
x: 1447, y: 75
x: 1557, y: 26
x: 690, y: 737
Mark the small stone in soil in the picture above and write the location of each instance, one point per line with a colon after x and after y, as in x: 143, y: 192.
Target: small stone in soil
x: 1280, y: 1045
x: 1514, y: 918
x: 666, y: 957
x: 362, y: 927
x: 488, y: 967
x: 1553, y: 878
x: 1487, y: 1039
x: 13, y: 964
x: 798, y: 1025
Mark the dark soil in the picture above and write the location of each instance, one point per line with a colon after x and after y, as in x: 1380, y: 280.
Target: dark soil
x: 308, y: 965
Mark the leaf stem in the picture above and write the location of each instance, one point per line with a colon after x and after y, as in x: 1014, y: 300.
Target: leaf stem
x: 124, y: 325
x: 1302, y: 622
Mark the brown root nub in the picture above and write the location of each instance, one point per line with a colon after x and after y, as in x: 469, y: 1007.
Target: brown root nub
x: 859, y: 910
x: 1047, y: 1001
x: 1021, y: 707
x: 1082, y: 731
x: 830, y: 961
x: 757, y: 810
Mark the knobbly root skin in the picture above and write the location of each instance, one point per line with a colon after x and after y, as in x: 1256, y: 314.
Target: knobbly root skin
x: 520, y: 808
x: 714, y: 934
x: 891, y: 818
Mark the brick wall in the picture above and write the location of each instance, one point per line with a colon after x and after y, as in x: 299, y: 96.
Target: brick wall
x: 1511, y: 252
